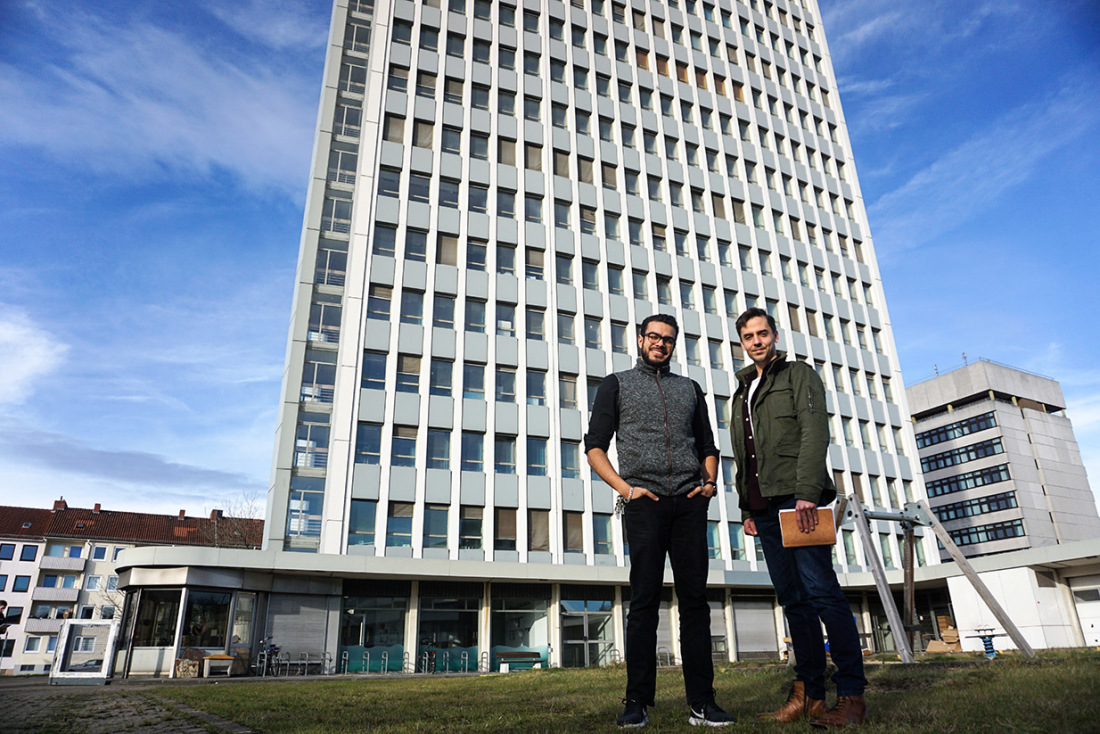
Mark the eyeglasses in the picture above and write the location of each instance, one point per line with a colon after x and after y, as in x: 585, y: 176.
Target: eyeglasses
x: 653, y: 336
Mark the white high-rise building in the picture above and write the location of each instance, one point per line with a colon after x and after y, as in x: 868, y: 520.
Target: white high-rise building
x: 500, y: 193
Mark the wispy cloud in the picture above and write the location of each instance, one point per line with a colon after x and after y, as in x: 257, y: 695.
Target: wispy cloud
x: 137, y: 99
x: 27, y: 354
x: 277, y: 24
x: 131, y: 468
x: 854, y: 25
x: 964, y: 181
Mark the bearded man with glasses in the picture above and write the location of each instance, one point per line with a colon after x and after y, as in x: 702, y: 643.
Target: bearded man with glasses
x: 668, y: 464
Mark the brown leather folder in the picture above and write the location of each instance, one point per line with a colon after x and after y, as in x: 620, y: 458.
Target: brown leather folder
x: 823, y: 534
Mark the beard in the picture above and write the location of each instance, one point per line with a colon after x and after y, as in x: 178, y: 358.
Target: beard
x: 654, y: 362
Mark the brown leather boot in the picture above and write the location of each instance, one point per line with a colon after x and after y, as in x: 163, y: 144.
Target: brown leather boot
x: 847, y: 711
x: 796, y: 707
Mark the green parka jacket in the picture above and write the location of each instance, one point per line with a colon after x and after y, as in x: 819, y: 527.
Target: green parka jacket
x: 790, y: 426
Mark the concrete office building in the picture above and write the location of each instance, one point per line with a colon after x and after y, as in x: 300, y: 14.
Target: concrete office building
x: 1000, y: 461
x: 500, y: 192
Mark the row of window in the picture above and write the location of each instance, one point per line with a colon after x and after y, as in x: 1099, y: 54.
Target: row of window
x: 59, y: 581
x: 434, y: 531
x: 416, y: 248
x: 977, y: 506
x: 506, y: 16
x: 968, y: 480
x: 958, y: 429
x: 986, y: 533
x: 961, y: 455
x: 602, y: 45
x: 29, y: 551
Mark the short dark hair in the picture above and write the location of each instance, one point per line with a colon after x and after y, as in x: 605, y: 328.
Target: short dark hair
x: 662, y: 318
x: 753, y: 313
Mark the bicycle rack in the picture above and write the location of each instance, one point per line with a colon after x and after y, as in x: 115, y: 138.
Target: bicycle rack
x: 344, y: 662
x: 465, y: 661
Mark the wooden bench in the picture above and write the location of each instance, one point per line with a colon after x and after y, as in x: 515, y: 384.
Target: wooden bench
x: 520, y: 656
x: 220, y: 664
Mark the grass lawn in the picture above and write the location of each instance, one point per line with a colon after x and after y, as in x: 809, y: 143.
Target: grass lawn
x: 1059, y: 692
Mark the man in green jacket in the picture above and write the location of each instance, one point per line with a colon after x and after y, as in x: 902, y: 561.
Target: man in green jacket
x: 780, y: 432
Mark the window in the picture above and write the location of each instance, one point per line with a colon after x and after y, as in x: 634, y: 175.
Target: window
x: 93, y: 583
x: 565, y: 328
x: 443, y: 311
x: 362, y: 521
x: 473, y: 451
x: 592, y: 333
x: 563, y: 269
x: 504, y: 455
x: 619, y: 341
x: 615, y: 279
x: 506, y: 259
x: 506, y: 320
x: 534, y: 269
x: 440, y: 377
x: 532, y: 208
x: 28, y: 553
x: 473, y: 381
x: 451, y: 142
x: 397, y: 81
x: 505, y: 384
x: 504, y: 529
x: 536, y: 387
x: 420, y: 188
x: 435, y: 526
x: 399, y: 525
x: 590, y: 275
x: 506, y: 204
x: 452, y: 91
x: 475, y: 316
x: 20, y: 583
x: 456, y: 45
x: 538, y: 530
x: 429, y: 38
x: 408, y: 373
x: 412, y: 307
x: 425, y: 84
x: 469, y: 527
x: 403, y: 447
x: 570, y: 460
x: 477, y: 256
x: 368, y: 443
x: 534, y: 324
x: 573, y: 532
x: 478, y: 198
x: 567, y: 392
x: 536, y: 455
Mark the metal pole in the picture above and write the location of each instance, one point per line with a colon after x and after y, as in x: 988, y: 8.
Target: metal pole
x: 910, y: 596
x: 975, y: 580
x: 901, y: 637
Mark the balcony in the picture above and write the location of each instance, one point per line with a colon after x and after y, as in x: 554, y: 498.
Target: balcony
x: 43, y: 626
x: 44, y: 593
x: 62, y: 563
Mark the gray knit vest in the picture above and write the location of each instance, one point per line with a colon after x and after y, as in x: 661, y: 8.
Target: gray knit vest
x: 655, y: 445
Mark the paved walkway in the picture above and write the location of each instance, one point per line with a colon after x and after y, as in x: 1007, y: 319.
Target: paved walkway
x: 29, y: 705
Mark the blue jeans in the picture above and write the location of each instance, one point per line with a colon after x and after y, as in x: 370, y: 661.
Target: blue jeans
x: 808, y: 591
x: 676, y: 527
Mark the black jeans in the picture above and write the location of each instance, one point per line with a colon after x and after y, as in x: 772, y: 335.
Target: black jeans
x: 676, y: 527
x: 808, y: 590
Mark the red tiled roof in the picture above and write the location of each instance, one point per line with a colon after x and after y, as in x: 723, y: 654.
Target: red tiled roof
x: 131, y: 527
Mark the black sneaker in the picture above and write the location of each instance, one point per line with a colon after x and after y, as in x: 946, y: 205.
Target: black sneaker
x: 634, y: 716
x: 709, y: 714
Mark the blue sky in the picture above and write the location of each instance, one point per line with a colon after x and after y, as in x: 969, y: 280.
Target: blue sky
x: 153, y: 166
